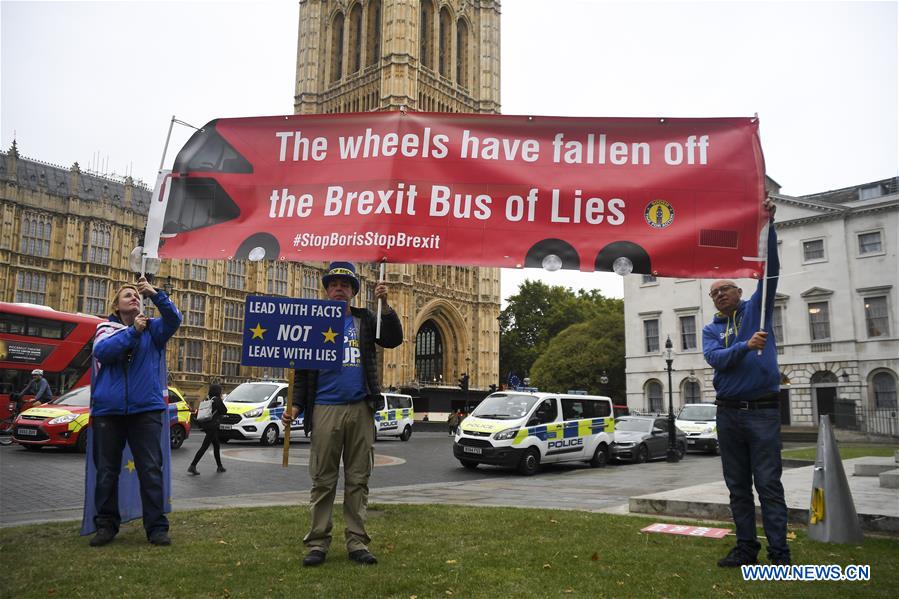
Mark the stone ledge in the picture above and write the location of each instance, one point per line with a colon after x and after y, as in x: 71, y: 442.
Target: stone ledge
x: 873, y: 468
x: 890, y: 479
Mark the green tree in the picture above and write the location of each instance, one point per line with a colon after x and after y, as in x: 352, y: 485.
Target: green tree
x: 537, y: 313
x: 577, y: 357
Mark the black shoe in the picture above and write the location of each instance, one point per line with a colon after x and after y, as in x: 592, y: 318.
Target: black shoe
x: 363, y: 556
x: 220, y: 469
x: 316, y: 557
x: 160, y: 538
x: 737, y: 557
x: 193, y: 470
x: 780, y: 560
x: 103, y: 537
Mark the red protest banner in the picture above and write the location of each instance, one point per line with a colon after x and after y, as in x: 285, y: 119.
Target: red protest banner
x: 674, y: 197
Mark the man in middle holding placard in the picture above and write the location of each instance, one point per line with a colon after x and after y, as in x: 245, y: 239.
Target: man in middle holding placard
x: 338, y: 410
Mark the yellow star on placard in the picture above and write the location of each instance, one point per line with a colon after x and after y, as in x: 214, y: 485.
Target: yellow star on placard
x: 130, y: 466
x: 257, y: 332
x: 330, y: 336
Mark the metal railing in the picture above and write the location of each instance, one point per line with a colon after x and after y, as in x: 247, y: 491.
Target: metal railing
x: 875, y: 421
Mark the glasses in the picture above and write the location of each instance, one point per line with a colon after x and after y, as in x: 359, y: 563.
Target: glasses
x: 723, y: 289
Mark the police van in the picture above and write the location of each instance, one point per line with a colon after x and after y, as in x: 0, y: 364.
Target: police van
x: 524, y: 430
x: 254, y: 412
x: 698, y: 421
x: 393, y: 416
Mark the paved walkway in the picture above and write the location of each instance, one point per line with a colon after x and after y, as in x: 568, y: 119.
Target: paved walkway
x: 573, y: 487
x: 608, y: 490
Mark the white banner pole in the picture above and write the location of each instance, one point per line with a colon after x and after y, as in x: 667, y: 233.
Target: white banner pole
x: 380, y: 302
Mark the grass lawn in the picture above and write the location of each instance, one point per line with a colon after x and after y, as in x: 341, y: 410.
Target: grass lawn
x: 424, y: 551
x: 847, y: 451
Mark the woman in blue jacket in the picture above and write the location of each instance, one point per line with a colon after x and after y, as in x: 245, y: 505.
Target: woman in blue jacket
x: 128, y: 405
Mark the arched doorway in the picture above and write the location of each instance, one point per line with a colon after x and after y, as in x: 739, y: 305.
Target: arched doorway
x: 824, y: 390
x: 429, y: 354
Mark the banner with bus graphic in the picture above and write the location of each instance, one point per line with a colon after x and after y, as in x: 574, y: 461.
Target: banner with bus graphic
x: 667, y: 197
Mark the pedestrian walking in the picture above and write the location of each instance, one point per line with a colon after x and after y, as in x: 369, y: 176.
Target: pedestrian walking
x: 452, y: 422
x: 211, y: 428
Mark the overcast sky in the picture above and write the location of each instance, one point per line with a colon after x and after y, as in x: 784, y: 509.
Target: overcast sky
x: 98, y: 82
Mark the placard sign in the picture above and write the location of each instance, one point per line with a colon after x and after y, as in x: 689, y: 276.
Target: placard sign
x: 688, y: 531
x: 281, y: 331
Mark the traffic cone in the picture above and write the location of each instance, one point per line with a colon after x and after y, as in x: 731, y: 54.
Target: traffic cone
x: 832, y: 516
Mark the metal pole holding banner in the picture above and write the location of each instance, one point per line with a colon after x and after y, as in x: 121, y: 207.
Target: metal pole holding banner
x: 165, y: 148
x: 168, y: 137
x: 764, y: 298
x: 380, y: 302
x: 143, y: 270
x: 289, y: 408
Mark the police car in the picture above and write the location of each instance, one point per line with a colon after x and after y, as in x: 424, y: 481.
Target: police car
x: 254, y: 412
x: 524, y: 430
x: 393, y: 416
x: 64, y: 421
x: 698, y: 421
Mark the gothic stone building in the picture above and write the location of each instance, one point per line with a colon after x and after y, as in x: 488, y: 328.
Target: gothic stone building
x: 66, y: 235
x: 359, y: 56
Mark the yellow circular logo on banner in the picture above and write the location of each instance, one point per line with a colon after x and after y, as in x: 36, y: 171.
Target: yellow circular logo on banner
x: 659, y: 214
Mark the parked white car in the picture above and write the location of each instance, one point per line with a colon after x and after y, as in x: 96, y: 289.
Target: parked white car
x: 698, y: 421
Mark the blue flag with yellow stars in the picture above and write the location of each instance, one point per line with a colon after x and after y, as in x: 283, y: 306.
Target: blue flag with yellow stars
x: 130, y: 507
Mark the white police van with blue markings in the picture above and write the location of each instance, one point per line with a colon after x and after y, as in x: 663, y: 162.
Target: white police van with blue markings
x: 254, y: 412
x: 523, y: 430
x: 394, y: 415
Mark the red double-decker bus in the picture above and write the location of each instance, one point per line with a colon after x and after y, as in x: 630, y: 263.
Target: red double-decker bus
x: 58, y: 343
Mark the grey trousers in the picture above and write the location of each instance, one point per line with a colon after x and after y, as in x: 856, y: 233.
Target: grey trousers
x: 348, y: 431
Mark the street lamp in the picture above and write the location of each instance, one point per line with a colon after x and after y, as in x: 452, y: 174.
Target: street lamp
x: 672, y: 436
x: 499, y: 350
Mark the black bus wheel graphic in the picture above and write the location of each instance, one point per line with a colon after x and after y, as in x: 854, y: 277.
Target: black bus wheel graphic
x: 261, y: 246
x: 639, y: 259
x: 541, y: 255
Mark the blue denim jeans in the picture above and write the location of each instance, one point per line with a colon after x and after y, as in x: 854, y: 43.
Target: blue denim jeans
x: 142, y: 432
x: 750, y: 451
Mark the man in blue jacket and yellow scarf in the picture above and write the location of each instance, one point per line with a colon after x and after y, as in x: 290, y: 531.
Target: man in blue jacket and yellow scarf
x: 742, y: 351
